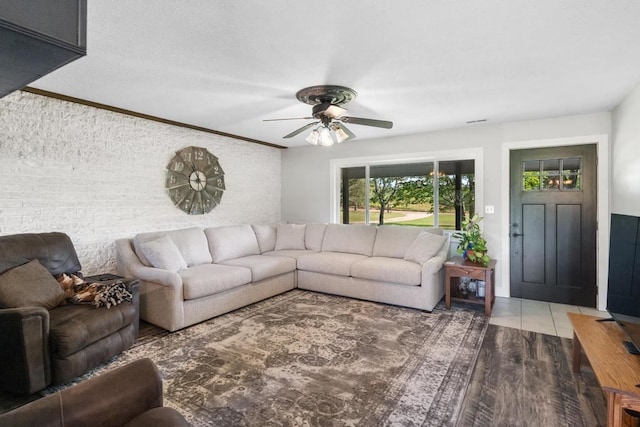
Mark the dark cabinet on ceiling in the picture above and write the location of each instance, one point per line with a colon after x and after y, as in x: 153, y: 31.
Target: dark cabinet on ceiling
x: 37, y: 37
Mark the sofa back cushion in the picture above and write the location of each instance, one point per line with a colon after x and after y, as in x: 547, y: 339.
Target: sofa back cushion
x: 29, y: 285
x: 393, y: 240
x: 353, y: 239
x: 266, y: 235
x: 191, y: 242
x: 313, y: 236
x: 231, y: 242
x: 54, y: 251
x: 290, y: 236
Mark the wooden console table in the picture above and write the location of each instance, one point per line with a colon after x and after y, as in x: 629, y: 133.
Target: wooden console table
x: 617, y: 371
x: 457, y: 267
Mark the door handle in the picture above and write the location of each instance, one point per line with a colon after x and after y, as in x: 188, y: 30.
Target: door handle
x: 516, y: 234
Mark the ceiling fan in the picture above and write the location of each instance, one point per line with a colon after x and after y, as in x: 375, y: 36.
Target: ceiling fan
x: 328, y: 110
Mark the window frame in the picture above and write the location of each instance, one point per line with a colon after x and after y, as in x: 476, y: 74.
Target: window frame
x: 336, y: 165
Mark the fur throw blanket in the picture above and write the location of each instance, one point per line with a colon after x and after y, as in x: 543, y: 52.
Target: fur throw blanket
x: 77, y: 291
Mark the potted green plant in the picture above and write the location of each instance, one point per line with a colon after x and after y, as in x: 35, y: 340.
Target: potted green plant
x: 471, y: 245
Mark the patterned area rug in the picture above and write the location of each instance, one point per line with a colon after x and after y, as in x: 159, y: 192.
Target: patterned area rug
x: 306, y: 359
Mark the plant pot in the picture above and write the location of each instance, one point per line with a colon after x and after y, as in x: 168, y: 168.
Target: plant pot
x: 476, y: 257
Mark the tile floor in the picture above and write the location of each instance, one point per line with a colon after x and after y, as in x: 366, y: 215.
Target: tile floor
x: 544, y: 317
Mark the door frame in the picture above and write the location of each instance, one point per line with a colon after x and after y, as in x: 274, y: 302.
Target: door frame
x: 603, y: 208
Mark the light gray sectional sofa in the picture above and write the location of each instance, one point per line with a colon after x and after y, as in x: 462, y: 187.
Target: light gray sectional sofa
x: 191, y: 275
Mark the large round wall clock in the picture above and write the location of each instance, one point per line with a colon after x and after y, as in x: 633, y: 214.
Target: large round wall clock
x: 195, y: 180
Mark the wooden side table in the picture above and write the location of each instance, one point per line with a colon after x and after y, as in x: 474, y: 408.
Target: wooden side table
x: 456, y: 268
x: 617, y: 371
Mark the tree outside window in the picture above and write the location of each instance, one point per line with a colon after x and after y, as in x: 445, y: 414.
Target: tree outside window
x: 404, y: 194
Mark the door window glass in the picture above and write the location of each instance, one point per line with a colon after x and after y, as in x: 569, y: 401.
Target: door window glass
x: 552, y: 174
x: 571, y: 174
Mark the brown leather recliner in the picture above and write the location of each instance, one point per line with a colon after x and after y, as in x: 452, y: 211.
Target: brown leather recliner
x: 127, y: 396
x: 40, y: 347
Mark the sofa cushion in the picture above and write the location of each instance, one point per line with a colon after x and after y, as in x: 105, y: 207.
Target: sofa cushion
x: 313, y: 236
x: 388, y: 270
x: 163, y: 253
x: 74, y: 327
x: 230, y: 242
x: 290, y: 236
x: 266, y: 235
x: 394, y: 240
x: 208, y: 279
x: 353, y: 239
x: 291, y: 253
x: 263, y: 267
x: 424, y: 247
x: 329, y: 262
x: 29, y: 285
x: 191, y: 242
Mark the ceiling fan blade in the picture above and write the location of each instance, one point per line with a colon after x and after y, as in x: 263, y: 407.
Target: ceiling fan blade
x: 367, y: 122
x: 291, y: 118
x: 302, y: 129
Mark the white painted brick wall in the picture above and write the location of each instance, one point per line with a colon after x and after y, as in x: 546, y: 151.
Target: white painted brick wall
x: 99, y: 176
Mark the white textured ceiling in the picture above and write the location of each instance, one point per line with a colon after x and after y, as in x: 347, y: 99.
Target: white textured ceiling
x: 425, y: 65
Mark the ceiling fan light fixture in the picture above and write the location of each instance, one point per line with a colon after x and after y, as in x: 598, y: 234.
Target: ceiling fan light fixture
x: 327, y: 109
x: 339, y: 133
x: 313, y: 137
x: 327, y: 101
x: 335, y: 111
x: 324, y: 138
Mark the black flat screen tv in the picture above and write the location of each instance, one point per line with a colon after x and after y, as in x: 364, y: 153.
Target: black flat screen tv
x: 623, y: 294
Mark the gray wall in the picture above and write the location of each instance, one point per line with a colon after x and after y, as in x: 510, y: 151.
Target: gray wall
x: 306, y: 170
x: 625, y: 158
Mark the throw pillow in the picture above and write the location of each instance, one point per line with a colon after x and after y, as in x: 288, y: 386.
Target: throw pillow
x: 163, y: 253
x: 424, y: 247
x: 290, y: 236
x: 30, y: 285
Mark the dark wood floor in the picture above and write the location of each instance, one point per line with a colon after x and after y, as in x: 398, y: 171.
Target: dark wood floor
x: 524, y: 379
x: 520, y: 379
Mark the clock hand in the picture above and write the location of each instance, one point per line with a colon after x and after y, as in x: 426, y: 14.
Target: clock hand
x: 197, y: 173
x: 194, y: 176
